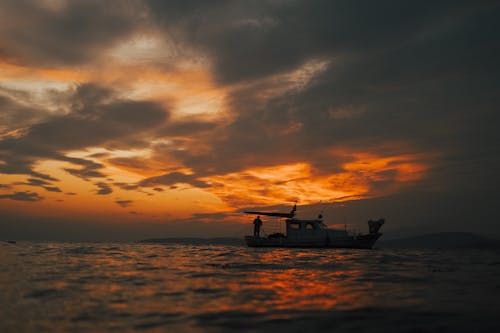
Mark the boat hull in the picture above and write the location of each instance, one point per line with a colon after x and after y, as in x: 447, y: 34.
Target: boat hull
x: 359, y: 242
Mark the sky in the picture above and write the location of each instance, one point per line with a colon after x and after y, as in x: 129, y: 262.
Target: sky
x: 130, y: 119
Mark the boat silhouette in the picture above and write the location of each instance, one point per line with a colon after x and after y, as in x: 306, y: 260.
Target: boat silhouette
x: 313, y: 233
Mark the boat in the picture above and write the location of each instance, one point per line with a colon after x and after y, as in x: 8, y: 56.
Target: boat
x: 313, y: 233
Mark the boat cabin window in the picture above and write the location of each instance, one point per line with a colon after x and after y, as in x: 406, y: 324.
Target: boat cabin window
x: 295, y: 226
x: 310, y: 227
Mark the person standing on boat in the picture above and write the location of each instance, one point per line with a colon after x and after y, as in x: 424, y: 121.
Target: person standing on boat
x: 256, y: 226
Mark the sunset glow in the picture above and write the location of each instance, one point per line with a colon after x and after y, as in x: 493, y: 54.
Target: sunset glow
x: 190, y: 96
x: 147, y: 112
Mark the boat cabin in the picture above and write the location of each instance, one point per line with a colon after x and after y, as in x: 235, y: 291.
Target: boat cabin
x: 300, y: 228
x: 311, y: 230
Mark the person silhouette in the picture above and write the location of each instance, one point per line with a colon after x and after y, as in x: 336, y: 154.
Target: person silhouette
x: 256, y: 226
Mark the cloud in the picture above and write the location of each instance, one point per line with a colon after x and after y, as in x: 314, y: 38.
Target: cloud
x: 16, y: 112
x: 97, y: 117
x: 124, y: 203
x: 76, y: 32
x: 186, y: 127
x: 89, y: 169
x: 52, y: 189
x: 400, y: 78
x: 103, y: 189
x: 43, y: 184
x: 134, y: 163
x: 39, y: 183
x: 36, y: 182
x: 367, y: 175
x: 249, y: 40
x: 378, y: 97
x: 226, y: 217
x: 127, y: 187
x: 290, y: 108
x: 173, y: 178
x: 22, y: 196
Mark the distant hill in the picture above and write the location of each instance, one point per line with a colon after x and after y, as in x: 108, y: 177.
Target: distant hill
x: 442, y: 240
x: 195, y: 241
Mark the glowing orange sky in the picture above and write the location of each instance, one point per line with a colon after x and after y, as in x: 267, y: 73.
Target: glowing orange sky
x: 154, y: 112
x: 188, y: 92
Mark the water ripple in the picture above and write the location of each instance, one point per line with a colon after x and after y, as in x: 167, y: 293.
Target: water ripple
x: 104, y: 287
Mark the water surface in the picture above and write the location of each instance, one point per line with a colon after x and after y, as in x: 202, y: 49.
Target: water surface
x: 104, y: 287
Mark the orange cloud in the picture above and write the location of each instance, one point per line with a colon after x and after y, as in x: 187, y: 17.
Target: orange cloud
x: 407, y: 167
x: 299, y: 182
x: 186, y: 90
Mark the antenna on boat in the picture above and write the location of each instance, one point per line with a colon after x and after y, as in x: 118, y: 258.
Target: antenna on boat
x: 320, y: 215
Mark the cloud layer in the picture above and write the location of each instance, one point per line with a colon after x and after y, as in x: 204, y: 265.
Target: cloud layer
x: 226, y: 104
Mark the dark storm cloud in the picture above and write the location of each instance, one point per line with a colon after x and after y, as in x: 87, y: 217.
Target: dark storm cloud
x: 13, y: 113
x: 186, y: 127
x: 401, y: 78
x: 97, y: 117
x: 22, y: 196
x: 253, y: 39
x: 95, y: 120
x: 66, y: 32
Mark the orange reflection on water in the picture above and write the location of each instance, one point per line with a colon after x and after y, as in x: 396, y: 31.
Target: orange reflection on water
x: 298, y: 289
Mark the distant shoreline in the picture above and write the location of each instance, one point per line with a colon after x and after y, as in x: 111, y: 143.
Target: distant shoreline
x: 194, y: 241
x: 444, y: 240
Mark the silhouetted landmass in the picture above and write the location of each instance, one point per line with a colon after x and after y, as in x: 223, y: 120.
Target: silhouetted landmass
x: 443, y: 240
x: 195, y: 241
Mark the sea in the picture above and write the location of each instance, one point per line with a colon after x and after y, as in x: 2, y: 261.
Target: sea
x: 182, y: 287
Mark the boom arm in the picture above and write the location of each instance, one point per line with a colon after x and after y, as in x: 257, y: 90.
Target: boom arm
x: 287, y: 215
